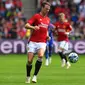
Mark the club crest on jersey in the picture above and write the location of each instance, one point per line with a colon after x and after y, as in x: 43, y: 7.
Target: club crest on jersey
x: 64, y: 26
x: 40, y: 19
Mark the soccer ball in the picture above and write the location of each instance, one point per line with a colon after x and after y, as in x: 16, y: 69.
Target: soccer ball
x: 73, y: 57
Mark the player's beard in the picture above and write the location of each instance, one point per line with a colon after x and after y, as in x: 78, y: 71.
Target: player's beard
x: 44, y: 13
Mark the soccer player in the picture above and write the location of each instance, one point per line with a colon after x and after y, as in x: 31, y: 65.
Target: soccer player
x: 37, y: 42
x: 63, y: 29
x: 49, y: 46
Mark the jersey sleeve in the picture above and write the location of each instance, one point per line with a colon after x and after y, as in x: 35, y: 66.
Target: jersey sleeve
x: 69, y: 28
x: 32, y: 19
x: 56, y: 25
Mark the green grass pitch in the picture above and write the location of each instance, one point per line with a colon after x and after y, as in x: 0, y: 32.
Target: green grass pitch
x: 13, y: 71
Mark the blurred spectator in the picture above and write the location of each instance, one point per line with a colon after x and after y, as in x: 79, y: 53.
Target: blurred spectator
x: 9, y: 4
x: 21, y: 33
x: 2, y: 10
x: 11, y: 14
x: 12, y: 20
x: 76, y: 1
x: 12, y: 33
x: 82, y: 10
x: 18, y: 4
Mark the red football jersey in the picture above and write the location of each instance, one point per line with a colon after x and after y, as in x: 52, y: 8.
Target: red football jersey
x: 61, y: 29
x: 39, y: 35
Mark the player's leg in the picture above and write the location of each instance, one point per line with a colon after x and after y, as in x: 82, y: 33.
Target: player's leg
x: 47, y: 56
x: 30, y: 54
x: 65, y: 55
x: 60, y: 50
x: 38, y: 64
x: 67, y: 62
x: 61, y: 47
x: 64, y: 46
x: 29, y: 66
x: 50, y: 52
x: 63, y: 61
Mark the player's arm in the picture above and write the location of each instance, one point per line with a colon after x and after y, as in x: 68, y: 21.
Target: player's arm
x: 30, y: 22
x: 28, y: 26
x: 68, y: 30
x: 54, y: 30
x: 67, y: 33
x: 48, y: 37
x: 53, y: 27
x: 55, y: 33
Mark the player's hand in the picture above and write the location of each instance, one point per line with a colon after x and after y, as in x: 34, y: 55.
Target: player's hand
x: 48, y: 38
x: 55, y: 33
x: 67, y: 33
x: 36, y: 28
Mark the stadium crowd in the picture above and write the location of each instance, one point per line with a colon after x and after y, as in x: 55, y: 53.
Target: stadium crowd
x: 12, y: 19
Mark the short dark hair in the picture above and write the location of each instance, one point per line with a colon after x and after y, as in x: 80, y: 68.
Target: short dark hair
x: 45, y: 3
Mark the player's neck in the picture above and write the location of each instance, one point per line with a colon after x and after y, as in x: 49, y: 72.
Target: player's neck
x: 63, y: 21
x: 42, y: 14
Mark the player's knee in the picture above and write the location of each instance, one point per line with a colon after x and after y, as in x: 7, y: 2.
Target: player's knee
x: 41, y: 54
x: 40, y: 59
x: 29, y: 62
x: 59, y: 50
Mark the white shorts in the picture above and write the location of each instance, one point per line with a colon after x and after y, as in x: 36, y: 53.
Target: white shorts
x: 63, y: 45
x: 34, y: 46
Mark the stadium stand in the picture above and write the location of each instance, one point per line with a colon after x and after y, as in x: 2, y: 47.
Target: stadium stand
x: 13, y: 15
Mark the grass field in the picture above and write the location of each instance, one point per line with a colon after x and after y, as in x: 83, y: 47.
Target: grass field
x: 13, y: 71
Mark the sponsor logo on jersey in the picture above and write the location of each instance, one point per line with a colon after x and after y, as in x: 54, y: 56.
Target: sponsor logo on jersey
x: 43, y: 25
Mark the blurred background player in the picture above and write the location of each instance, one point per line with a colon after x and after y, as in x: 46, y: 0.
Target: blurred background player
x: 37, y: 43
x: 28, y: 33
x: 63, y: 29
x: 49, y: 46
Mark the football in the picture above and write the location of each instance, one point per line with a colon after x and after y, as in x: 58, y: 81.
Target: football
x: 73, y: 57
